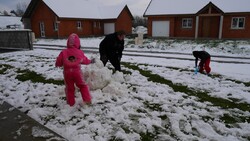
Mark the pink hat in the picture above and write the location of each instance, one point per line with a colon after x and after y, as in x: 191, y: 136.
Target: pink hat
x: 73, y: 41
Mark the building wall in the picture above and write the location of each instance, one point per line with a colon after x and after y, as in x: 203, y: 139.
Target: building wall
x: 184, y: 32
x: 67, y: 26
x: 208, y: 27
x: 228, y: 32
x: 175, y: 29
x: 42, y: 13
x: 124, y: 22
x: 98, y: 30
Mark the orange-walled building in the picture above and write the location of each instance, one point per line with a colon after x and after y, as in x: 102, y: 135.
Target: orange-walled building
x: 210, y: 19
x: 59, y: 18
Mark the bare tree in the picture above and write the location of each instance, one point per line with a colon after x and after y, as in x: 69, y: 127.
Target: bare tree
x: 139, y: 21
x: 20, y: 8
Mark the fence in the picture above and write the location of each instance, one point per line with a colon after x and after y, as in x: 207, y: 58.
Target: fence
x: 16, y: 39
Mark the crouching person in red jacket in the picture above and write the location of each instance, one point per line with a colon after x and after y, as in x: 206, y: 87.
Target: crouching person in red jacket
x: 204, y: 61
x: 71, y: 59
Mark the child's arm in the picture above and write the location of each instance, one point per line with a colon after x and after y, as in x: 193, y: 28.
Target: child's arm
x: 59, y: 60
x: 85, y: 60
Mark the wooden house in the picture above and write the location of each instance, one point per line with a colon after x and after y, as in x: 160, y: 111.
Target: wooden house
x: 213, y: 19
x: 59, y: 18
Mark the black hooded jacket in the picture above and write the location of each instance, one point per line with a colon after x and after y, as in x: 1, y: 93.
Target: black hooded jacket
x: 111, y: 46
x: 202, y: 55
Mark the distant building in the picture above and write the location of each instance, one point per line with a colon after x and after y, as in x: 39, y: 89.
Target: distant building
x: 10, y: 22
x: 215, y: 19
x: 59, y: 18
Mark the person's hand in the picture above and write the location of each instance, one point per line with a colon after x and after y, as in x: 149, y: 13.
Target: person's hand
x: 196, y: 69
x: 92, y: 60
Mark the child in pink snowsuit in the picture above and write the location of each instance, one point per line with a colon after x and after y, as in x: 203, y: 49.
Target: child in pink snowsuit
x: 71, y: 59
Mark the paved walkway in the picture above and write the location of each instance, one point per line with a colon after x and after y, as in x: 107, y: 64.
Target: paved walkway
x: 17, y: 126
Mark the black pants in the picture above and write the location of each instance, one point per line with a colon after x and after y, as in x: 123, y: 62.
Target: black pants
x: 115, y: 61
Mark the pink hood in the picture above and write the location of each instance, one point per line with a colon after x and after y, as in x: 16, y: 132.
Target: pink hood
x: 73, y: 41
x: 73, y: 50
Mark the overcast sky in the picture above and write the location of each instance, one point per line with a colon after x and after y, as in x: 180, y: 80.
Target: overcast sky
x: 137, y: 7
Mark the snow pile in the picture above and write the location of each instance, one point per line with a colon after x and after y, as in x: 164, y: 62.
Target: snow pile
x: 140, y: 29
x: 39, y: 132
x: 99, y: 77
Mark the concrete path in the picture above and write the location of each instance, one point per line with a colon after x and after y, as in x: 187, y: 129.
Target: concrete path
x: 17, y: 126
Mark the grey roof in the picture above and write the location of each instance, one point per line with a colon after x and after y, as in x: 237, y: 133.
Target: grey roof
x: 83, y: 9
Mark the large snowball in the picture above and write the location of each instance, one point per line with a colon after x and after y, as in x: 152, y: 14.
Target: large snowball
x: 97, y: 76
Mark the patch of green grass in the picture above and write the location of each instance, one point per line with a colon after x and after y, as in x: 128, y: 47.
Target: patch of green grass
x: 147, y: 136
x: 240, y: 82
x: 125, y: 128
x: 7, y: 59
x: 126, y: 72
x: 25, y: 75
x: 228, y: 119
x: 213, y: 43
x: 4, y: 67
x: 246, y: 84
x: 130, y: 42
x: 153, y: 106
x: 47, y: 118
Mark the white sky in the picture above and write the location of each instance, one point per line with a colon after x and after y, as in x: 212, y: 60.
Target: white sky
x: 137, y: 7
x: 9, y: 5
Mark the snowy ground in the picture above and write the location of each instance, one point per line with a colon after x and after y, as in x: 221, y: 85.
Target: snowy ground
x: 152, y: 99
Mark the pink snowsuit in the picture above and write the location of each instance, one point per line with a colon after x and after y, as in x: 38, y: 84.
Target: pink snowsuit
x: 71, y: 59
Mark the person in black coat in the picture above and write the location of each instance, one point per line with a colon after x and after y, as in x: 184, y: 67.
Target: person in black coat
x: 204, y: 60
x: 111, y: 48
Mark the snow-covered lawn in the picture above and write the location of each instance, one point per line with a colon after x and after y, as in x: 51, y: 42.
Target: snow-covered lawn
x: 152, y: 99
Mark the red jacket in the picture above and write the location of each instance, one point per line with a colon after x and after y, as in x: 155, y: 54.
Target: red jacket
x: 72, y: 57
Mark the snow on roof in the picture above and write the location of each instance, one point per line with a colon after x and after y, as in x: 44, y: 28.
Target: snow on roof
x: 110, y: 12
x: 231, y: 6
x: 82, y: 9
x: 169, y: 7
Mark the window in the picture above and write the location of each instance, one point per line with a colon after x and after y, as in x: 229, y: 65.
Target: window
x: 42, y: 29
x: 97, y: 25
x: 79, y: 25
x: 187, y: 23
x: 238, y: 23
x: 56, y: 26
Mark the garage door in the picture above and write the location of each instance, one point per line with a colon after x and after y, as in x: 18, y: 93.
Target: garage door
x: 160, y: 28
x: 109, y: 28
